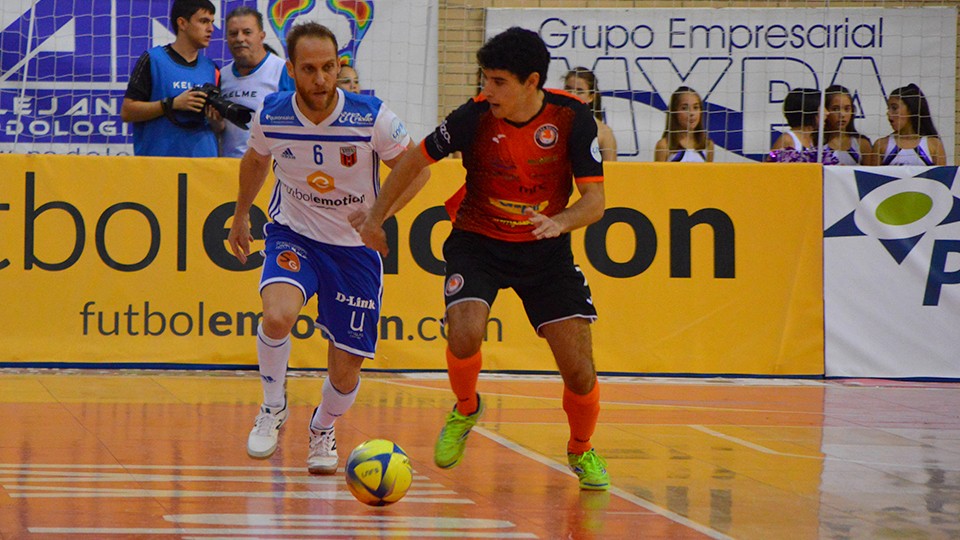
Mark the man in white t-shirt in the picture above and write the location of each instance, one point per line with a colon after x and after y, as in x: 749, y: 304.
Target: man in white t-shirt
x: 253, y: 74
x: 326, y: 147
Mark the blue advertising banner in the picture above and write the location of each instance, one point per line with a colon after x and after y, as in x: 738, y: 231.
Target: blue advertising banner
x: 64, y: 64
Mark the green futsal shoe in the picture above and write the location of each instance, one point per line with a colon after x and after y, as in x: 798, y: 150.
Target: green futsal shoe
x: 453, y: 437
x: 591, y: 469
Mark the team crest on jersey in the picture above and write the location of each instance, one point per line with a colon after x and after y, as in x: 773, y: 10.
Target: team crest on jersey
x: 348, y: 156
x: 288, y: 260
x: 546, y: 136
x: 454, y: 284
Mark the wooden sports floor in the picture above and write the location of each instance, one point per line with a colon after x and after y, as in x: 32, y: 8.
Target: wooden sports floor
x: 92, y: 454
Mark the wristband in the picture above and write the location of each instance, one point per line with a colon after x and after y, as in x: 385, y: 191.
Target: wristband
x: 167, y: 105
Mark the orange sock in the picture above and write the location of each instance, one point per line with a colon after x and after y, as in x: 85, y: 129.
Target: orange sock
x: 463, y: 374
x: 582, y: 413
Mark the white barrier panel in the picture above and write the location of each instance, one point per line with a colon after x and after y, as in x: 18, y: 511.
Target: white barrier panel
x: 892, y: 271
x: 742, y: 62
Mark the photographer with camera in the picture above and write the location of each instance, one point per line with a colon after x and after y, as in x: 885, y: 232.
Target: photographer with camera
x: 254, y: 72
x: 170, y: 115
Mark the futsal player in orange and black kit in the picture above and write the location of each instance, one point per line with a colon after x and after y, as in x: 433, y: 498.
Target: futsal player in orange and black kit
x: 524, y: 148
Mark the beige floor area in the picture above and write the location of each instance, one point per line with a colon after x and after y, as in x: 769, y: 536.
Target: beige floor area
x: 161, y: 454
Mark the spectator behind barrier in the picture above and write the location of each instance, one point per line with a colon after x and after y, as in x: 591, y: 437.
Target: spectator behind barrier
x: 169, y: 120
x: 850, y: 147
x: 684, y: 137
x: 801, y: 108
x: 914, y: 140
x: 254, y: 72
x: 349, y: 80
x: 582, y: 83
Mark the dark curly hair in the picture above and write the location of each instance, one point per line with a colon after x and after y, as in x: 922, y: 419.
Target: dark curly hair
x: 517, y: 50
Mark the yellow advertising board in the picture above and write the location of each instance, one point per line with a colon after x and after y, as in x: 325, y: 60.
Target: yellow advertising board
x: 718, y: 271
x: 712, y: 268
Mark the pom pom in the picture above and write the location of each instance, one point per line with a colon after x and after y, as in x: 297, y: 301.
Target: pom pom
x: 825, y: 156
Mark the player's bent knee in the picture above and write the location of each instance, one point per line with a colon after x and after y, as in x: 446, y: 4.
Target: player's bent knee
x: 278, y: 325
x: 465, y: 325
x: 463, y: 340
x: 581, y: 378
x: 464, y: 347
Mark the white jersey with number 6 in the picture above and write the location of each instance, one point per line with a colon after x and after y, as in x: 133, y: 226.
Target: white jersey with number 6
x: 326, y: 171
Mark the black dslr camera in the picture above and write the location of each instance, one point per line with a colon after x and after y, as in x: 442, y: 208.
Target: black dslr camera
x: 237, y: 114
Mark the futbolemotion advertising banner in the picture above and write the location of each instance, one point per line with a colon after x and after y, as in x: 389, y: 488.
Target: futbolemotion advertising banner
x: 892, y: 271
x: 694, y: 269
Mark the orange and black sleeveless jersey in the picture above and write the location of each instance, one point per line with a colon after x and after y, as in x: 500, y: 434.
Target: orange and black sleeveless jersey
x: 512, y: 167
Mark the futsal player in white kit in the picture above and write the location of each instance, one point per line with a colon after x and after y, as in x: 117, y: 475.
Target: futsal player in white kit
x: 326, y: 147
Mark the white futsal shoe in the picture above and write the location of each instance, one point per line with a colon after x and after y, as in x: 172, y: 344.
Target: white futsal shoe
x: 323, y: 458
x: 262, y: 441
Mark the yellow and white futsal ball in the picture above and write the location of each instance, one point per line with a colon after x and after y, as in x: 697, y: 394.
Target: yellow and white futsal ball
x: 378, y: 472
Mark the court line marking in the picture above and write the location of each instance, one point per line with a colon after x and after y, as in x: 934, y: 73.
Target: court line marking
x: 823, y: 457
x: 643, y: 503
x: 707, y: 380
x: 624, y: 403
x: 45, y: 492
x: 748, y: 444
x: 20, y: 481
x: 12, y: 474
x: 704, y: 429
x: 150, y: 467
x: 267, y: 533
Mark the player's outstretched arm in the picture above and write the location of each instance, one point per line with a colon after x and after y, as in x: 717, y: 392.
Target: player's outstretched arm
x: 588, y: 209
x: 253, y: 173
x: 415, y: 186
x: 403, y: 176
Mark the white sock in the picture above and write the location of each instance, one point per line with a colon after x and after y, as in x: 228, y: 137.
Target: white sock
x: 272, y: 356
x: 333, y: 406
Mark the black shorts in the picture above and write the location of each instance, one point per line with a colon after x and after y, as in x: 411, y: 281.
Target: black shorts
x: 542, y: 272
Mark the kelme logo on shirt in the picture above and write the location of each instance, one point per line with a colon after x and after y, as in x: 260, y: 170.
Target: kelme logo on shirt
x: 546, y: 136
